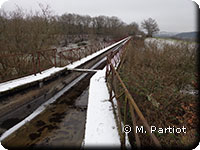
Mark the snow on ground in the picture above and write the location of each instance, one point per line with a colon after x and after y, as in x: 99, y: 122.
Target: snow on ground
x: 1, y: 147
x: 162, y: 42
x: 101, y: 129
x: 39, y: 76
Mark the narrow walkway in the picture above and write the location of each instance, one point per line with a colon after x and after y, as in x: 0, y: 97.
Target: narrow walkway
x: 101, y: 128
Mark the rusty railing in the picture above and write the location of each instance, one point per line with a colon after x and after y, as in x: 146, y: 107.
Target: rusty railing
x: 114, y: 62
x: 13, y: 66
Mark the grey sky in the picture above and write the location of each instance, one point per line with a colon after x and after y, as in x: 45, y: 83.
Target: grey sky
x: 171, y: 15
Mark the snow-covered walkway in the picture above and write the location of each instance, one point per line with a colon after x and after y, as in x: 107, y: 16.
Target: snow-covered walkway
x: 101, y: 128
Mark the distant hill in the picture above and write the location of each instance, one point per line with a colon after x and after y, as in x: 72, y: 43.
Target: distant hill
x: 187, y: 36
x: 192, y: 36
x: 165, y: 34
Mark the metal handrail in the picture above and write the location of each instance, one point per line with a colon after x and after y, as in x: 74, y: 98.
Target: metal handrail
x: 132, y: 105
x: 41, y: 60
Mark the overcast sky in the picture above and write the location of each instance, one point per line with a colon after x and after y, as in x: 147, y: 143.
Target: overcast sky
x: 171, y: 15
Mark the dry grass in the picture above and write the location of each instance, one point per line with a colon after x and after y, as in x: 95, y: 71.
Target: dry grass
x: 155, y: 77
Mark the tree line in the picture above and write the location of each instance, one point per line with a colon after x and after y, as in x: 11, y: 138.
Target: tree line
x: 25, y: 32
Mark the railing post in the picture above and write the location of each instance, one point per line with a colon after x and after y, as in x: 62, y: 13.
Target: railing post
x: 39, y: 62
x: 33, y: 64
x: 107, y: 69
x: 125, y: 118
x: 60, y: 59
x: 55, y: 51
x: 111, y: 85
x: 138, y: 143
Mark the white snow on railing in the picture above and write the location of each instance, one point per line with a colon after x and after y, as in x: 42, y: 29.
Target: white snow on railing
x: 47, y: 73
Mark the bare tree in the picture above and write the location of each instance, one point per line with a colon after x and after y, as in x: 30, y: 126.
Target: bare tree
x: 133, y: 28
x: 150, y: 26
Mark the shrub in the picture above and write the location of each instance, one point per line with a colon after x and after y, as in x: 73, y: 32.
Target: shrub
x: 161, y: 80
